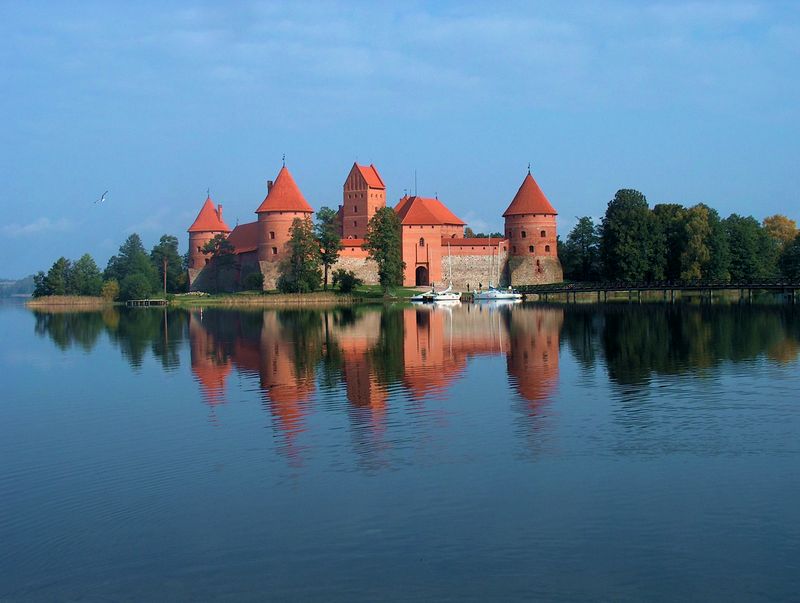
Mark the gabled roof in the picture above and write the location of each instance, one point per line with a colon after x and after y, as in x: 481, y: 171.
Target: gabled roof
x: 244, y: 237
x: 209, y: 219
x: 473, y: 242
x: 423, y: 211
x: 284, y: 196
x: 370, y: 175
x: 529, y: 200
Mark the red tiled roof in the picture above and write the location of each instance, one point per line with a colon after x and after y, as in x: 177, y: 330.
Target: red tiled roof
x: 244, y: 237
x: 424, y: 211
x: 209, y: 219
x: 484, y: 241
x: 353, y: 242
x: 371, y: 175
x: 285, y: 196
x: 529, y: 200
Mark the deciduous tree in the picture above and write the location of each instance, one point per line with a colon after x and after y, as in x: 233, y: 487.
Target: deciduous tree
x: 384, y: 247
x: 327, y: 231
x: 300, y: 272
x: 166, y: 259
x: 581, y: 252
x: 625, y: 239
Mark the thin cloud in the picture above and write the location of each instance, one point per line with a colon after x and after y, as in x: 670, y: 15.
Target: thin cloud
x: 38, y: 226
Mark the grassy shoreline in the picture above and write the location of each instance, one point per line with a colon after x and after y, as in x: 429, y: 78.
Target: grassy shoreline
x: 368, y: 294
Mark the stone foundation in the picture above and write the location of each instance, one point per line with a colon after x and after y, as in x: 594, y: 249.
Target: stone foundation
x: 524, y: 270
x: 365, y: 269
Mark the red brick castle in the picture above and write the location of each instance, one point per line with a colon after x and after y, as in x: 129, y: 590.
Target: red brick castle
x: 432, y: 236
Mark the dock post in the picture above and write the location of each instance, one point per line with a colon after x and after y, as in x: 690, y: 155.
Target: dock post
x: 749, y: 296
x: 598, y: 296
x: 639, y: 295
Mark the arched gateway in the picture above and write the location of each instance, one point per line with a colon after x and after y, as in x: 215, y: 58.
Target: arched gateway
x: 422, y: 275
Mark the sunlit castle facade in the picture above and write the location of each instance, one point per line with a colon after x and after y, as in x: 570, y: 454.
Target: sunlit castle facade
x: 433, y: 242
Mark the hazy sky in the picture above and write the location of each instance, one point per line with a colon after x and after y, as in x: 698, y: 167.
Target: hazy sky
x: 156, y: 101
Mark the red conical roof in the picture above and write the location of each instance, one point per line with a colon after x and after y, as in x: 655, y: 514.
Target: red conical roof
x: 209, y: 219
x: 529, y: 200
x: 284, y: 196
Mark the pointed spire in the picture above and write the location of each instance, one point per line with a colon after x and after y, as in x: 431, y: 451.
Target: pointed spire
x: 529, y: 200
x: 209, y: 219
x: 285, y: 195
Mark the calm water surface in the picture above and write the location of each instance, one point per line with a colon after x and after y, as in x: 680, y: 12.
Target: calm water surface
x: 529, y: 452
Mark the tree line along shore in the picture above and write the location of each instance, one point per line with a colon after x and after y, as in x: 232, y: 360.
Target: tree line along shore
x: 632, y: 242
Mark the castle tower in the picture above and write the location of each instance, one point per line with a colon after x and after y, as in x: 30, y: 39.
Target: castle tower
x: 530, y: 225
x: 284, y: 202
x: 363, y: 194
x: 205, y: 227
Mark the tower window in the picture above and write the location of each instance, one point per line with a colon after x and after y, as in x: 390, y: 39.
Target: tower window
x: 355, y: 222
x: 274, y: 251
x: 199, y: 249
x: 421, y: 242
x: 271, y: 234
x: 355, y: 209
x: 543, y: 234
x: 547, y: 248
x: 513, y: 249
x: 207, y: 260
x: 530, y: 248
x: 524, y: 234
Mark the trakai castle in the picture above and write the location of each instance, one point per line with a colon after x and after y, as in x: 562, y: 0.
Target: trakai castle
x: 432, y: 236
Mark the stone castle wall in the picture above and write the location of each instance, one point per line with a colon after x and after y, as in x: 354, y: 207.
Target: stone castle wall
x: 534, y: 270
x: 473, y: 270
x: 365, y: 269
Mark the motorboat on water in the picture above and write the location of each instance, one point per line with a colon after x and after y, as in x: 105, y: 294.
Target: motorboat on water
x: 495, y: 294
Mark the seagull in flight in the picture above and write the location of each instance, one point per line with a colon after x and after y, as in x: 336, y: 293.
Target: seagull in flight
x: 102, y: 198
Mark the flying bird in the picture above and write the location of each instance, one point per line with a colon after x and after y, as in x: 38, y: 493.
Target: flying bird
x: 102, y: 198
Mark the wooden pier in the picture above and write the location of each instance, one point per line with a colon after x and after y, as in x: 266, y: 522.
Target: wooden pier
x: 140, y: 303
x: 670, y: 291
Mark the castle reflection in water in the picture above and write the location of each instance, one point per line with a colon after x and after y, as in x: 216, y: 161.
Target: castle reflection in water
x: 411, y: 352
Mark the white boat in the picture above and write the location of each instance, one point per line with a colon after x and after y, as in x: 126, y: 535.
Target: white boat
x: 421, y: 297
x: 445, y: 295
x: 493, y: 293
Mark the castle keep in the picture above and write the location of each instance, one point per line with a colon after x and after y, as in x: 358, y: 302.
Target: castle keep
x: 432, y: 236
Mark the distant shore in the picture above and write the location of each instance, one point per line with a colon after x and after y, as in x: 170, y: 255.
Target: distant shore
x: 69, y: 301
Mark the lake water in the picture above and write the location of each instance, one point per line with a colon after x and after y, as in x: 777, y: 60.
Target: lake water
x: 617, y: 452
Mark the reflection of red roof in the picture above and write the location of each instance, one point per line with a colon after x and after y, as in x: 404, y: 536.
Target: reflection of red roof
x: 209, y: 219
x: 529, y: 200
x: 244, y: 237
x: 212, y: 380
x: 421, y: 210
x: 370, y: 175
x: 285, y: 196
x: 484, y: 241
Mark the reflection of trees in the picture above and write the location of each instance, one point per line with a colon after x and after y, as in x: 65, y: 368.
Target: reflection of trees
x: 70, y: 328
x: 387, y: 353
x: 133, y: 330
x: 640, y: 341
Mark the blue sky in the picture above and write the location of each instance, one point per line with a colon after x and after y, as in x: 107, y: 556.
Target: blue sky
x: 686, y: 101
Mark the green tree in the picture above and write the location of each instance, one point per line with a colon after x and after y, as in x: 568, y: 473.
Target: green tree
x: 85, y: 277
x: 718, y: 266
x: 131, y: 259
x: 384, y: 247
x: 581, y: 252
x: 327, y: 231
x: 696, y: 253
x: 222, y: 258
x: 744, y: 236
x: 790, y: 260
x: 40, y: 284
x: 300, y: 272
x: 58, y: 277
x: 670, y: 223
x: 135, y: 286
x: 625, y: 237
x: 346, y: 279
x: 167, y: 260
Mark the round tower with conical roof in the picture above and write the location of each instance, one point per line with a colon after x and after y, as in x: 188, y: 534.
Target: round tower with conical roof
x: 282, y: 205
x: 206, y: 226
x: 530, y: 227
